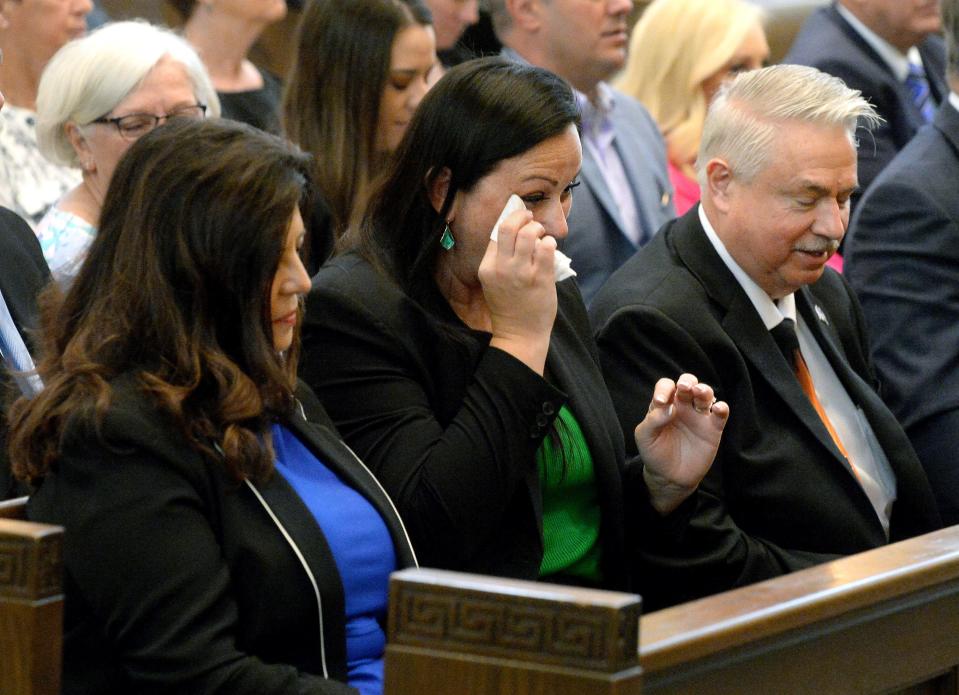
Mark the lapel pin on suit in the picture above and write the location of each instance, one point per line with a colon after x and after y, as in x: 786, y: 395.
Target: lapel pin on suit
x: 822, y: 315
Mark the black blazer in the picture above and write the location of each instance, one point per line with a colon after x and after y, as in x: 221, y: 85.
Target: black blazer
x: 779, y: 496
x: 902, y: 259
x: 23, y: 273
x: 451, y: 426
x: 828, y: 42
x: 179, y: 579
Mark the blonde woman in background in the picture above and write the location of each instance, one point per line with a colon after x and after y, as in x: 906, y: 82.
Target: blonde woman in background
x: 680, y: 53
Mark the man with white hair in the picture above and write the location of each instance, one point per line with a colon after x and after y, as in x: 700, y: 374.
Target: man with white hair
x: 903, y: 262
x: 812, y: 464
x: 626, y: 195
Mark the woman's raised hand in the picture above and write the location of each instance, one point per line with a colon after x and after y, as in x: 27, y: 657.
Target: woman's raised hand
x: 519, y: 287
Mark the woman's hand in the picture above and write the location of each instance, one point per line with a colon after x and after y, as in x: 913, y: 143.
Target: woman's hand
x: 519, y: 287
x: 678, y: 439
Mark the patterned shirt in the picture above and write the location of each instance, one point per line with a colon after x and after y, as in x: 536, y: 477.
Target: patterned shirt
x: 29, y: 183
x: 64, y: 238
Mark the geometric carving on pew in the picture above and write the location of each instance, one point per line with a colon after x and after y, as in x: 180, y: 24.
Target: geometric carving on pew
x: 30, y: 563
x: 524, y: 621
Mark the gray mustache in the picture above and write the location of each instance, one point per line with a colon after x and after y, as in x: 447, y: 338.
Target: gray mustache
x: 825, y: 245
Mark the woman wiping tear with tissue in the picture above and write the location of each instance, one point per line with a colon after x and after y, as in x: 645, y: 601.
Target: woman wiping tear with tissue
x: 464, y: 372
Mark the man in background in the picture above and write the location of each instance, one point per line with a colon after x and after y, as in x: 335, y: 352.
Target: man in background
x: 903, y: 262
x: 625, y: 196
x: 889, y: 51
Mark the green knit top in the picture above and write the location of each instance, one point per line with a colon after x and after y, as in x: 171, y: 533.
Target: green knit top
x: 570, y: 502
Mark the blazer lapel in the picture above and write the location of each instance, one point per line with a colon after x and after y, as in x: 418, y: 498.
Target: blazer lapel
x: 933, y: 62
x: 593, y: 177
x: 947, y: 122
x: 576, y: 373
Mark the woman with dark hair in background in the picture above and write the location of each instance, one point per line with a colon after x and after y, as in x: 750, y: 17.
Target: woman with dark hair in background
x: 223, y: 34
x: 466, y: 376
x: 222, y: 538
x: 360, y: 70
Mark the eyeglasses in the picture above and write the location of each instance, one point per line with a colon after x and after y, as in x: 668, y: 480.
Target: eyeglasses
x: 136, y: 125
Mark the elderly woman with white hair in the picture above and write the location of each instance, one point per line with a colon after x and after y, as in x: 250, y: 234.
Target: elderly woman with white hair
x: 97, y: 96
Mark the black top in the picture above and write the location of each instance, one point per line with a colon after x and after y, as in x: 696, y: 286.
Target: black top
x: 259, y: 107
x: 181, y: 580
x: 451, y: 426
x: 23, y: 273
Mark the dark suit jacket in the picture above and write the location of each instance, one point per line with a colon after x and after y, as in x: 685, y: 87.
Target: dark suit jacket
x: 451, y: 426
x: 779, y: 496
x: 903, y: 262
x: 828, y: 42
x: 23, y: 273
x: 179, y: 579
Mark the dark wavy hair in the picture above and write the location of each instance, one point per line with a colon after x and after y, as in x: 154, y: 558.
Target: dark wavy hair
x: 480, y: 113
x: 175, y: 290
x: 331, y: 102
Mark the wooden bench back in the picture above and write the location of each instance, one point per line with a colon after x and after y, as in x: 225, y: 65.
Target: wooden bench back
x: 31, y: 603
x: 474, y: 635
x: 885, y: 621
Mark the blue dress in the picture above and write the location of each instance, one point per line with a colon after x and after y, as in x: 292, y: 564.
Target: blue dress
x: 361, y: 546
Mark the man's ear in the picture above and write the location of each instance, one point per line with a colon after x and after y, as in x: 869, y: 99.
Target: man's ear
x: 437, y: 187
x: 526, y: 14
x: 719, y: 178
x: 80, y: 146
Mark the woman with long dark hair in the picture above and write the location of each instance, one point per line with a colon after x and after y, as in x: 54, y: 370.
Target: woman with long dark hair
x: 466, y: 375
x: 221, y: 536
x: 360, y: 70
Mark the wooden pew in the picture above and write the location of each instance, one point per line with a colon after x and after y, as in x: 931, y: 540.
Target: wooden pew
x: 466, y: 634
x: 882, y: 621
x: 886, y: 621
x: 31, y: 603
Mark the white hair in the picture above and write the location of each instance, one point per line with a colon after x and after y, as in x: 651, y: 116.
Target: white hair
x: 90, y: 75
x: 746, y: 113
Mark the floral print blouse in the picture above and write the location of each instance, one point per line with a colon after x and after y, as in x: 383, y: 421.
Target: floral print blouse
x: 29, y: 183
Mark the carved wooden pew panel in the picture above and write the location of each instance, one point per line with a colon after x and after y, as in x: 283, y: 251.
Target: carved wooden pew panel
x: 467, y: 634
x: 31, y: 603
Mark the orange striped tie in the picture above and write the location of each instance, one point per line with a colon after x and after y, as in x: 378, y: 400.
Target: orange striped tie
x: 785, y: 336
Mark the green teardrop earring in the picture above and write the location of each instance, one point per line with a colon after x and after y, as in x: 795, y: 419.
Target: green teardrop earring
x: 446, y: 239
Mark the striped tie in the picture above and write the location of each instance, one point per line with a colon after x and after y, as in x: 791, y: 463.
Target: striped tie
x: 15, y: 355
x: 918, y: 87
x: 785, y: 336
